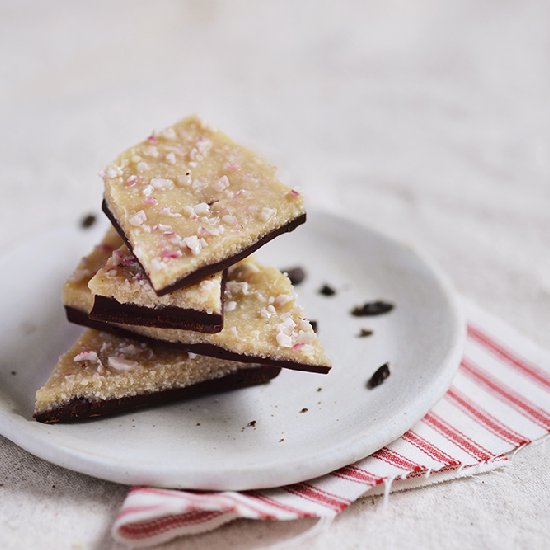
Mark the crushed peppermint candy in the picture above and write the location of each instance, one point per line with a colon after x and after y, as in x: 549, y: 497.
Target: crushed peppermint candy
x: 167, y: 211
x: 152, y: 137
x: 267, y: 312
x: 185, y: 179
x: 166, y: 253
x: 194, y: 244
x: 232, y: 166
x: 282, y: 300
x: 162, y: 183
x: 150, y: 200
x: 86, y: 356
x: 138, y: 218
x: 267, y: 213
x: 142, y: 166
x: 222, y: 183
x: 162, y: 227
x: 131, y: 181
x: 171, y: 158
x: 229, y: 219
x: 201, y: 208
x: 121, y: 364
x: 294, y: 193
x: 230, y: 306
x: 284, y: 340
x: 236, y: 287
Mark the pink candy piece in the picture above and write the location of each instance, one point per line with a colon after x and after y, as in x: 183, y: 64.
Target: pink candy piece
x: 152, y: 137
x: 150, y: 200
x: 294, y: 193
x: 297, y: 346
x: 131, y: 181
x: 170, y: 253
x: 169, y: 233
x: 232, y: 166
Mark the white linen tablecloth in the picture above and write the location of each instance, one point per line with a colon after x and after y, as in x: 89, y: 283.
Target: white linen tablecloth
x: 427, y: 120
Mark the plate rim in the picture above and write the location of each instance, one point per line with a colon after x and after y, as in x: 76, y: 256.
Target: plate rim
x: 62, y: 454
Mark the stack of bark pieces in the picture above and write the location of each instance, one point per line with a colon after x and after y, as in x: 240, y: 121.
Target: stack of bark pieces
x: 175, y: 303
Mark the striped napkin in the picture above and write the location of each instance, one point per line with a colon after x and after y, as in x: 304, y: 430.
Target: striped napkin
x: 498, y: 403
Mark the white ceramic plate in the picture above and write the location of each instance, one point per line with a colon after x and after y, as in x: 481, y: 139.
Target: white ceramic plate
x: 422, y: 338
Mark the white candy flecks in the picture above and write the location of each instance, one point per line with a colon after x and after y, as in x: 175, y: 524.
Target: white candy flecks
x: 236, y: 287
x: 234, y: 331
x: 267, y: 213
x: 121, y: 364
x: 284, y: 340
x: 142, y: 166
x: 191, y: 355
x: 267, y: 312
x: 230, y: 306
x: 201, y: 208
x: 162, y: 183
x: 171, y: 158
x: 194, y: 244
x: 138, y: 218
x: 229, y: 219
x: 167, y: 211
x: 282, y: 300
x: 221, y: 184
x: 86, y: 356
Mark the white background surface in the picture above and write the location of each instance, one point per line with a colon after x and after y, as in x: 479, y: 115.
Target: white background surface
x: 428, y: 120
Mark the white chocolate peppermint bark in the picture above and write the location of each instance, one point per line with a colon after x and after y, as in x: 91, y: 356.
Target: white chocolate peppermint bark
x: 104, y: 374
x: 262, y: 322
x: 189, y: 201
x: 122, y: 294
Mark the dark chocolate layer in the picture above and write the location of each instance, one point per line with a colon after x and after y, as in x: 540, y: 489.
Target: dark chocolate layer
x: 110, y: 311
x: 215, y: 267
x: 210, y: 350
x: 82, y: 409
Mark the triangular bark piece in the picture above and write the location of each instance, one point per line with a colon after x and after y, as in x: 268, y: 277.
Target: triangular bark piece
x: 103, y: 374
x: 190, y: 202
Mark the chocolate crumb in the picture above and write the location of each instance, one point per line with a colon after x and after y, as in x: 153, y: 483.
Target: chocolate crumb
x: 314, y: 325
x: 53, y: 486
x: 319, y: 389
x: 13, y: 373
x: 251, y: 424
x: 304, y: 410
x: 281, y: 440
x: 327, y: 290
x: 297, y: 275
x: 364, y: 332
x: 380, y: 374
x: 369, y: 309
x: 87, y: 221
x: 198, y: 424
